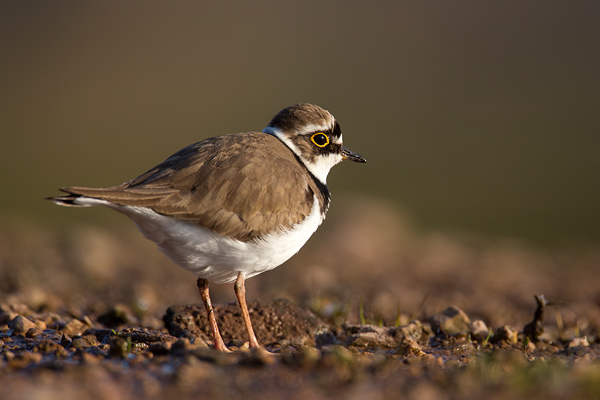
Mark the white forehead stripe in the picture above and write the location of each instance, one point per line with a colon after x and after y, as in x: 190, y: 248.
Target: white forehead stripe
x: 315, y: 128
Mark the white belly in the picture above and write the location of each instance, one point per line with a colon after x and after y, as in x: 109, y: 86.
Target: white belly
x: 216, y: 258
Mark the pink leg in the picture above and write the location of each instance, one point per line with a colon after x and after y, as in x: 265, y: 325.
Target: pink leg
x: 219, y: 344
x: 240, y: 292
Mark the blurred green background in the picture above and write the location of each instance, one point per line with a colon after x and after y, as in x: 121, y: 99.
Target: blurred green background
x: 475, y: 116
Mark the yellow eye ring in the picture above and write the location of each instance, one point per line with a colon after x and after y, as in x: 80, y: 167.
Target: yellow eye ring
x: 320, y: 139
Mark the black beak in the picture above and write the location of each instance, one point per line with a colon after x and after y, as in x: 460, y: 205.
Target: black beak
x: 352, y: 156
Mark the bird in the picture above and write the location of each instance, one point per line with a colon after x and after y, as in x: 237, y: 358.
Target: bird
x: 231, y: 207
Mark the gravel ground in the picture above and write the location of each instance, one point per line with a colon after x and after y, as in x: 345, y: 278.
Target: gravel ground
x: 369, y: 309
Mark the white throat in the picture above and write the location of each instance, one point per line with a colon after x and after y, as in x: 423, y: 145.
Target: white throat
x: 320, y: 169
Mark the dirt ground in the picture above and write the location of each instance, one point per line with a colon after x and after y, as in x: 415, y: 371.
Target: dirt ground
x: 368, y: 309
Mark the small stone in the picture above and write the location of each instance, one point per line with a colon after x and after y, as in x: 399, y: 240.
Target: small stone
x: 86, y: 320
x: 119, y: 347
x: 160, y: 349
x: 117, y: 316
x: 51, y: 319
x: 506, y: 334
x: 32, y: 333
x: 66, y: 340
x: 451, y: 321
x: 479, y: 330
x: 414, y: 330
x: 409, y: 348
x: 370, y: 336
x: 20, y: 324
x: 49, y: 346
x: 74, y: 328
x: 7, y: 316
x: 381, y: 336
x: 41, y: 325
x: 578, y: 342
x: 85, y: 341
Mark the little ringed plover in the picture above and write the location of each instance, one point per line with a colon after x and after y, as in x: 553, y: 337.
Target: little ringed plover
x: 231, y: 207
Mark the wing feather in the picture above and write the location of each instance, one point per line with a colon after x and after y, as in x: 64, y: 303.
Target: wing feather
x: 243, y: 186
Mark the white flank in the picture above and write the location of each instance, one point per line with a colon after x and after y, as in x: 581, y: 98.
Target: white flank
x: 209, y: 255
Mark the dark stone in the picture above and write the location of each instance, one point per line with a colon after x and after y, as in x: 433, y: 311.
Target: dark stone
x: 452, y: 321
x: 505, y: 334
x: 161, y: 348
x: 383, y: 336
x: 66, y: 340
x: 119, y: 347
x: 32, y: 333
x: 20, y: 324
x: 117, y: 316
x: 137, y: 335
x: 85, y: 341
x: 74, y: 328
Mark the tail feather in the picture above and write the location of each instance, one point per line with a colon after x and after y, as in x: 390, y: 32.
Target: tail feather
x: 67, y: 201
x: 88, y: 197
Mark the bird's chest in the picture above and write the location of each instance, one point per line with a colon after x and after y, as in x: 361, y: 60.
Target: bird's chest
x: 220, y: 258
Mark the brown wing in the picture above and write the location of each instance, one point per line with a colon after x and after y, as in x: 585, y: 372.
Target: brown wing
x: 242, y: 186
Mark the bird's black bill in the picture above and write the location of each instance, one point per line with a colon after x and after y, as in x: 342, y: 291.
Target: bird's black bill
x: 352, y: 156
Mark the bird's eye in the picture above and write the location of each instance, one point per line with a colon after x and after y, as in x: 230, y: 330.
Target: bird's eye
x: 320, y: 139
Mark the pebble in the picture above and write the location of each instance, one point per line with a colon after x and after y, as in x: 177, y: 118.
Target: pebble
x: 381, y: 336
x: 507, y: 334
x: 409, y: 348
x: 41, y: 325
x: 74, y: 327
x: 32, y: 333
x: 452, y: 321
x: 119, y: 347
x: 49, y: 346
x: 6, y: 317
x: 85, y: 341
x: 578, y: 342
x: 117, y: 316
x: 20, y: 324
x: 479, y: 330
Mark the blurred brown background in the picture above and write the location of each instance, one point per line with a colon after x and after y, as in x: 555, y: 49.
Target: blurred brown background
x: 479, y: 120
x: 474, y: 116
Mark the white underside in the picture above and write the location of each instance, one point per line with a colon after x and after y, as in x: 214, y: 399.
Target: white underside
x: 216, y: 258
